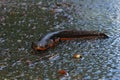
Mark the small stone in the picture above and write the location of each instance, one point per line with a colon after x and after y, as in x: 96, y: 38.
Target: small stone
x: 62, y: 72
x: 77, y: 56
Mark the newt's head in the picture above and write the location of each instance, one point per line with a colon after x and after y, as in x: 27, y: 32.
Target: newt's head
x: 42, y: 45
x: 36, y: 46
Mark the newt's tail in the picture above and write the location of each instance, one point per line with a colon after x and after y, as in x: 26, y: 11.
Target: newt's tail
x: 81, y: 34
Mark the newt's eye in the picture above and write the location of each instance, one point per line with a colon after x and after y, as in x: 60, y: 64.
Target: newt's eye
x: 46, y: 46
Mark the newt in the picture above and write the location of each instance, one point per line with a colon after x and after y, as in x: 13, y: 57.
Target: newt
x: 52, y: 38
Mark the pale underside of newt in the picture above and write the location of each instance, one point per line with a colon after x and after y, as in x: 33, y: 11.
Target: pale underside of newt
x: 52, y: 38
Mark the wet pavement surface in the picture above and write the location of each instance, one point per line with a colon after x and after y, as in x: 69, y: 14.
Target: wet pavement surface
x: 22, y: 22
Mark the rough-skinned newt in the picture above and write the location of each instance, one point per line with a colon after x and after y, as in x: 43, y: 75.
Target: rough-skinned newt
x: 52, y: 38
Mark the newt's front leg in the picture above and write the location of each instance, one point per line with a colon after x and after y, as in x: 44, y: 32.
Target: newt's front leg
x: 53, y: 42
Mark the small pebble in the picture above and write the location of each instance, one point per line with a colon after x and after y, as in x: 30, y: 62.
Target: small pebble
x: 77, y: 56
x: 62, y: 72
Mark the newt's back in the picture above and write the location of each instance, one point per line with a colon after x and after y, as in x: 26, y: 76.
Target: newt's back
x: 80, y: 34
